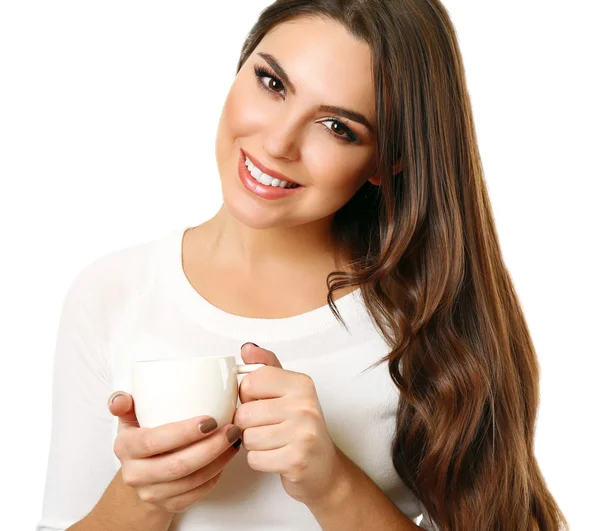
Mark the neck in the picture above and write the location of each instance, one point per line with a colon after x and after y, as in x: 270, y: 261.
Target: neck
x: 278, y: 249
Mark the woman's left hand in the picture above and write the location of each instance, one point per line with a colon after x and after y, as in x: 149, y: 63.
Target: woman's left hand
x: 284, y: 430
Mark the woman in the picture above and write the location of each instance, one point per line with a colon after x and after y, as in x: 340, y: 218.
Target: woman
x: 355, y: 230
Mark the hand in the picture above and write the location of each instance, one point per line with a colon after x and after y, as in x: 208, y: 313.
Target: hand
x: 284, y: 430
x: 154, y: 464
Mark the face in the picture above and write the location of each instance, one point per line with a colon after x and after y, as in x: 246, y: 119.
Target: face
x: 275, y: 114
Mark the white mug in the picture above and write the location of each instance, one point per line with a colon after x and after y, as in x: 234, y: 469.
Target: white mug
x: 171, y: 390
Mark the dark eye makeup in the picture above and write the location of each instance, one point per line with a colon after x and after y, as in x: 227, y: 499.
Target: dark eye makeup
x: 264, y: 72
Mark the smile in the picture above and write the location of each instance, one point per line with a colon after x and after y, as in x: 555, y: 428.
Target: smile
x: 263, y: 182
x: 266, y: 179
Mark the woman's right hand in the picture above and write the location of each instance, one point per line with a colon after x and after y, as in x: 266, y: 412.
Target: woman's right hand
x: 154, y: 463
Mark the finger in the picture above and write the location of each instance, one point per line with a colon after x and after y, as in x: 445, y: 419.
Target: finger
x: 181, y: 503
x: 120, y: 404
x: 252, y: 353
x: 275, y: 461
x: 146, y: 442
x: 173, y: 466
x: 273, y: 382
x: 163, y: 491
x: 267, y: 437
x: 261, y: 413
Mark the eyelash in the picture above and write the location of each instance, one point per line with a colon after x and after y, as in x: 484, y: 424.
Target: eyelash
x: 264, y: 72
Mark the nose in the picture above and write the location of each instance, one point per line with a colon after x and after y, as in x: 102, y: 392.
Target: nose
x: 283, y: 139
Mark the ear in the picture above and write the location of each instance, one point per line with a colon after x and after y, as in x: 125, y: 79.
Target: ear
x: 376, y: 178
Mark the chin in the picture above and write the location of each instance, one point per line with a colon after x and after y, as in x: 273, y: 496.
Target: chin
x: 248, y: 212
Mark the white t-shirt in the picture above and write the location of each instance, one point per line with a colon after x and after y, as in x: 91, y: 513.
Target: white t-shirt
x: 135, y: 303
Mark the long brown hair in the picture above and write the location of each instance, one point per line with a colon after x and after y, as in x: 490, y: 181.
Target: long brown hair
x: 425, y: 253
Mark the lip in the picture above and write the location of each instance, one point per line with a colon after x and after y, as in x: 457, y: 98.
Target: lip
x: 264, y: 169
x: 259, y: 189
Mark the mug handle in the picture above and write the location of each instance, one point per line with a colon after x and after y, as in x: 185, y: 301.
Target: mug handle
x: 245, y: 369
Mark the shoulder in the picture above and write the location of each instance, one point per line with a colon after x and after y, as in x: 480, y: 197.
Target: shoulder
x: 111, y: 279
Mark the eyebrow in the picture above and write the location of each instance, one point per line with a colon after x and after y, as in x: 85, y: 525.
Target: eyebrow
x: 346, y: 113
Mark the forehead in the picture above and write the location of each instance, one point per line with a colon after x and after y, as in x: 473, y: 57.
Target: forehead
x: 324, y: 61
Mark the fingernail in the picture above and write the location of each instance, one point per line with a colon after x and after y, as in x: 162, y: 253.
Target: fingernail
x: 249, y: 342
x: 233, y: 434
x: 207, y: 425
x: 112, y: 397
x: 237, y: 444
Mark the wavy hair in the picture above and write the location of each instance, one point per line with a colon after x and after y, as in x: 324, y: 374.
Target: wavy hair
x: 425, y: 253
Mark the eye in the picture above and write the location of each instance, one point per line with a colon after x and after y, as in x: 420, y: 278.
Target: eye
x: 350, y: 136
x: 271, y: 87
x: 264, y: 73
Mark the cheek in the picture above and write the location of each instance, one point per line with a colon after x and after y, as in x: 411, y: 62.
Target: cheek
x: 337, y: 171
x: 335, y: 178
x: 243, y: 113
x: 238, y: 120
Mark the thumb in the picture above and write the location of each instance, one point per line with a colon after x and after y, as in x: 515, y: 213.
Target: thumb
x: 252, y: 353
x: 120, y: 404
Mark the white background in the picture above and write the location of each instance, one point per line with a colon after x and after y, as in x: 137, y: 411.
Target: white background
x: 108, y: 114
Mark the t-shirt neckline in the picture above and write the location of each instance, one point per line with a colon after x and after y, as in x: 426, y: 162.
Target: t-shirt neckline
x: 235, y: 326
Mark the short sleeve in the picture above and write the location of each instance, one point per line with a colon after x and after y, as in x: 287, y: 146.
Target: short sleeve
x: 80, y: 461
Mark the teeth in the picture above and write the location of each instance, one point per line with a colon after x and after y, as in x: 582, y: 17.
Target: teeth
x: 256, y: 173
x: 265, y: 179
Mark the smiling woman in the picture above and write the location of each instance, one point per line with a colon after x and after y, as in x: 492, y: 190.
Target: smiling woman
x: 356, y: 248
x: 310, y: 122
